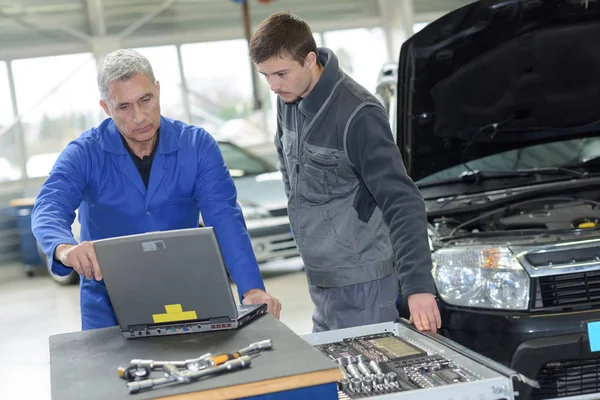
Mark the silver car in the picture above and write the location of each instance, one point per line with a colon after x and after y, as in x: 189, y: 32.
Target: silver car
x: 264, y: 203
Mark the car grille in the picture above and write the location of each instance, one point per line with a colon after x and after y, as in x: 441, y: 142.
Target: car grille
x: 279, y: 212
x: 283, y: 244
x: 565, y: 291
x: 568, y: 378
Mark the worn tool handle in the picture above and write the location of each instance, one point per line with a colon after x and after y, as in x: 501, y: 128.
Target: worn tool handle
x: 221, y: 358
x: 253, y: 348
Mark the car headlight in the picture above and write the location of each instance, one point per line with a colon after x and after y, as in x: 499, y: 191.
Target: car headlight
x: 253, y: 211
x: 481, y: 276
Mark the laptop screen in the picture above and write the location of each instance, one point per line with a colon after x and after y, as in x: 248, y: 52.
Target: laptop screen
x: 166, y: 277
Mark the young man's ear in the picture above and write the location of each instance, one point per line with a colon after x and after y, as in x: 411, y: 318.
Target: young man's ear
x: 311, y: 60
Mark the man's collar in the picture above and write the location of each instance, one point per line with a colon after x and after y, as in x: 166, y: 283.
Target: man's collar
x: 154, y: 147
x: 111, y: 140
x: 331, y: 73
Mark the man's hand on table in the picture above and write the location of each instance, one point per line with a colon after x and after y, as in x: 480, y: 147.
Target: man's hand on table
x: 258, y: 296
x: 81, y: 257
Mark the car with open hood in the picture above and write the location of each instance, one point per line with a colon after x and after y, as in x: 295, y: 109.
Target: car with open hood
x: 495, y: 108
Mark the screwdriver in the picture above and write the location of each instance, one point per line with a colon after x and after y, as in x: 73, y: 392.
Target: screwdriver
x: 246, y: 351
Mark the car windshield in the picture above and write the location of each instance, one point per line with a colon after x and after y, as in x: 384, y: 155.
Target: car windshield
x: 547, y: 155
x: 241, y: 162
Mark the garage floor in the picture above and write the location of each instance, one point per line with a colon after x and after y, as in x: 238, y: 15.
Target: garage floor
x: 32, y: 309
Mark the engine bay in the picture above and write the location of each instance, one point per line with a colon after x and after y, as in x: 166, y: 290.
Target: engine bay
x: 553, y: 213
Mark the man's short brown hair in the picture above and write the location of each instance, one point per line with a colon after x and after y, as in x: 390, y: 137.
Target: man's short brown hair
x: 279, y: 34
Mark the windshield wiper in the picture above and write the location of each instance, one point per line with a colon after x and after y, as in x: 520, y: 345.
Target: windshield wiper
x: 478, y: 176
x: 534, y: 171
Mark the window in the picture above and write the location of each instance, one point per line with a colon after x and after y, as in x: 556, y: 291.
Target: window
x: 59, y: 99
x: 219, y: 82
x: 361, y: 53
x: 9, y: 146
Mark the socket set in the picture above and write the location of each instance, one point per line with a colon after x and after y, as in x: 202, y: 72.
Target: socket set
x: 384, y: 363
x: 394, y: 360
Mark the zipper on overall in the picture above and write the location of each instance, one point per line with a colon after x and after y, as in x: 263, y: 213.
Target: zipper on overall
x: 298, y: 155
x: 301, y: 136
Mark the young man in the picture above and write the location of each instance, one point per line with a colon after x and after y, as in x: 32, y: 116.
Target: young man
x: 139, y: 172
x: 358, y: 219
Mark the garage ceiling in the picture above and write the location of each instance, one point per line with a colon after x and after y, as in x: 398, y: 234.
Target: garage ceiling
x: 31, y: 28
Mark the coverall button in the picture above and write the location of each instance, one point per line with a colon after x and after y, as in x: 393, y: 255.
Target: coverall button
x: 147, y: 212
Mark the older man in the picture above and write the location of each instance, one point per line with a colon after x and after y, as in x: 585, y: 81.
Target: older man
x: 137, y: 172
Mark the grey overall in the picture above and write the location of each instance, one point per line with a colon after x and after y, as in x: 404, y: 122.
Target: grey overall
x: 359, y: 221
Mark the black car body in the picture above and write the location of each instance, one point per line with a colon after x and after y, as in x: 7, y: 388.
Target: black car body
x: 497, y: 112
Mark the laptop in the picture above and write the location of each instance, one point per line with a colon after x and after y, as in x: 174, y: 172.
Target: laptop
x: 170, y: 282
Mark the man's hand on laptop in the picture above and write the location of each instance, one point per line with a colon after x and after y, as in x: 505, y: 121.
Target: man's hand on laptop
x: 258, y: 296
x: 81, y: 257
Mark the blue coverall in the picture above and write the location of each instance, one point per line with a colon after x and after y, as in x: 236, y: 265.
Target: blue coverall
x: 96, y: 174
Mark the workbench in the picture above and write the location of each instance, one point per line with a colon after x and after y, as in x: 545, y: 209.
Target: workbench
x: 84, y: 365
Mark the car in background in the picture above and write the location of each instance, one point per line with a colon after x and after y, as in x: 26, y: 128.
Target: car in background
x: 261, y: 196
x: 496, y: 118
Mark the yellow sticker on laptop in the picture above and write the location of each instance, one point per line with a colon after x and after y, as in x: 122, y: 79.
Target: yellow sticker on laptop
x: 174, y: 313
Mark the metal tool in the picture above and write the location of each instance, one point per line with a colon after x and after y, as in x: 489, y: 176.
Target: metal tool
x: 364, y: 370
x: 375, y: 367
x: 344, y: 384
x: 344, y: 374
x: 254, y: 348
x: 192, y: 364
x: 206, y: 360
x: 134, y: 373
x: 174, y: 375
x: 355, y: 384
x: 353, y: 371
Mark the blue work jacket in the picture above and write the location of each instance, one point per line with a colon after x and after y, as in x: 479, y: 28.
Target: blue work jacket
x: 96, y: 174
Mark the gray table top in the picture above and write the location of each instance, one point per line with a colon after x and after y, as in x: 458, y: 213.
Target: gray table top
x: 84, y: 364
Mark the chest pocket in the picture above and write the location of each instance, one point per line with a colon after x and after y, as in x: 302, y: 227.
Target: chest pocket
x: 327, y: 175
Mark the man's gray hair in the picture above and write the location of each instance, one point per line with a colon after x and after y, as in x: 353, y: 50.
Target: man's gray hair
x: 121, y: 65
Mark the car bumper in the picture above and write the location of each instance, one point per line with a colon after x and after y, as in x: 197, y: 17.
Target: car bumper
x: 553, y: 349
x: 272, y: 239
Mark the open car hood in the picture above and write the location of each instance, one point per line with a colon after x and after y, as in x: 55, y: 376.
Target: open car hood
x: 495, y: 76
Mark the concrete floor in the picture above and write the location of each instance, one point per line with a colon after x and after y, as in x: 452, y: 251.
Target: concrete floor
x: 32, y: 309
